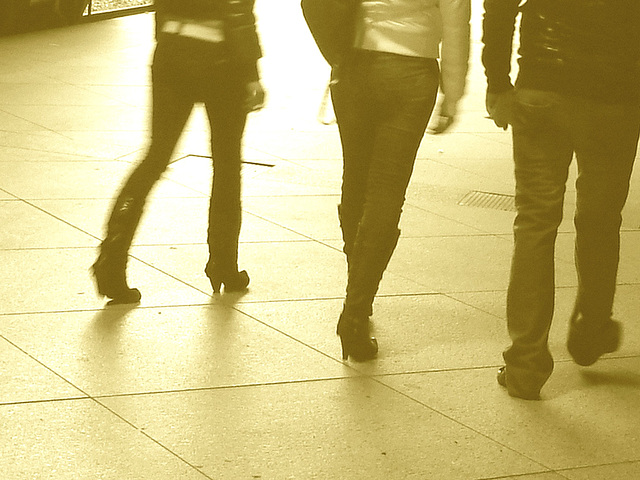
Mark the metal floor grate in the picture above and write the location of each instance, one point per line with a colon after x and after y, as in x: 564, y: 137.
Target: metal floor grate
x: 495, y: 201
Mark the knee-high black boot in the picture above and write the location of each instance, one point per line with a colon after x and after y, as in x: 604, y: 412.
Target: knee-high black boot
x: 224, y: 229
x: 370, y: 257
x: 109, y: 270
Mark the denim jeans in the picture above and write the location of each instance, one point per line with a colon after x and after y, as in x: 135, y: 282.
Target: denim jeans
x: 186, y: 72
x: 382, y: 103
x: 548, y: 129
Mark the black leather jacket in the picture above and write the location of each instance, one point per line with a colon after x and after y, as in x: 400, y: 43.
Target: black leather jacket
x: 589, y: 48
x: 241, y: 36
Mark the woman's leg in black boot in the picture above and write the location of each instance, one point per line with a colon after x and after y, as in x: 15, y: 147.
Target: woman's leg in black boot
x: 371, y: 255
x: 227, y: 121
x: 170, y: 113
x: 382, y: 103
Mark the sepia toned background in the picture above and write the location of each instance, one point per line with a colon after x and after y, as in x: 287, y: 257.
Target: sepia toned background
x: 190, y: 385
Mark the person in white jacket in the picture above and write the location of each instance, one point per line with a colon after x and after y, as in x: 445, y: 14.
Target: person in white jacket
x: 404, y: 50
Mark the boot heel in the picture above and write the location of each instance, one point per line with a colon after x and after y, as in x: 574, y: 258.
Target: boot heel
x: 216, y: 285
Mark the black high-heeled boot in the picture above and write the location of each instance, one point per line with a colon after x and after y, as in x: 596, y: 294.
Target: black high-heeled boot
x: 371, y: 255
x: 225, y: 219
x: 111, y: 281
x: 109, y: 270
x: 232, y: 279
x: 355, y: 338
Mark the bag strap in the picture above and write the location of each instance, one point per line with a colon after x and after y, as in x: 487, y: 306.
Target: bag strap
x: 323, y: 111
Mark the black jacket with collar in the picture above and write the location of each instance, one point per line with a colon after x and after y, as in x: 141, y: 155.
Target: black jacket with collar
x: 239, y: 24
x: 589, y: 48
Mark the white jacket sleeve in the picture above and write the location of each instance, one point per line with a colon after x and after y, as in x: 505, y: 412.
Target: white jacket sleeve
x: 454, y: 54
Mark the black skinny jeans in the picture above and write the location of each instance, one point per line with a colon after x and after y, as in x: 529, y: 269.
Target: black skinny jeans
x: 186, y: 72
x: 383, y: 103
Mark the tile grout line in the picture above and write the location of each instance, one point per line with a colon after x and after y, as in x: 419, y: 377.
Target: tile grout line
x: 458, y: 422
x: 97, y: 401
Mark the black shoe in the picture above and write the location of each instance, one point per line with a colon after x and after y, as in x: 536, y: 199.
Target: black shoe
x: 587, y: 341
x: 501, y: 377
x: 111, y: 282
x: 232, y: 281
x: 355, y: 338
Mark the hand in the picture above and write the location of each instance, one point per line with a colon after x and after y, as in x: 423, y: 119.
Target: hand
x: 500, y: 107
x: 255, y: 96
x: 443, y: 124
x: 446, y: 116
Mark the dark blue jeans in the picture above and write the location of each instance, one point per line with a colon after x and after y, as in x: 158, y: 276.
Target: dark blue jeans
x: 382, y: 103
x: 548, y: 129
x: 186, y: 72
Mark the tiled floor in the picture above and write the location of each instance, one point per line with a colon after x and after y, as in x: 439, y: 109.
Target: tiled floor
x: 193, y: 386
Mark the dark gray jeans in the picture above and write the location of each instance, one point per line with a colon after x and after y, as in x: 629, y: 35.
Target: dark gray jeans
x: 548, y: 129
x: 187, y: 72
